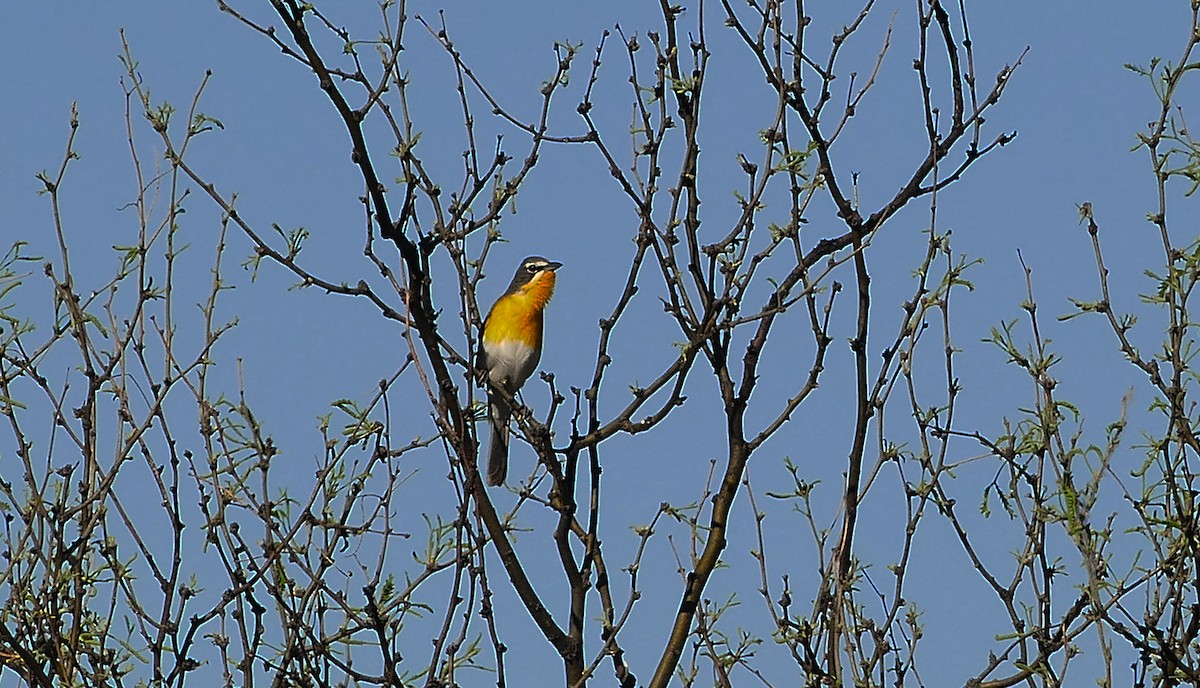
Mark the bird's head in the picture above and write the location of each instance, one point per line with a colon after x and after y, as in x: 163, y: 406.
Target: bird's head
x: 536, y: 273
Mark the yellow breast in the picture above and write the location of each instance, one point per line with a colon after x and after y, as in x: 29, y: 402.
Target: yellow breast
x: 518, y: 316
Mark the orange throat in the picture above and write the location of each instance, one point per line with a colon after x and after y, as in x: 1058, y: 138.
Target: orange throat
x: 539, y: 290
x: 518, y: 316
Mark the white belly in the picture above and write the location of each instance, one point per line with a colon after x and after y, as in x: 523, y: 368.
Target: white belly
x: 510, y: 363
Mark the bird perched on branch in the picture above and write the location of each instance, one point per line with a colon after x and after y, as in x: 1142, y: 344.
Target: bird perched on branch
x: 511, y: 348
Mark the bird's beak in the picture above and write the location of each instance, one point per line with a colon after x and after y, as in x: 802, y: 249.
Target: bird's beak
x: 553, y: 265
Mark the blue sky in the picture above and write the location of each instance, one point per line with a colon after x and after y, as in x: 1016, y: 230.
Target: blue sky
x: 1074, y: 105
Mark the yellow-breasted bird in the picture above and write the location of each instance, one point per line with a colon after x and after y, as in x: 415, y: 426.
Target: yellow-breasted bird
x: 511, y: 347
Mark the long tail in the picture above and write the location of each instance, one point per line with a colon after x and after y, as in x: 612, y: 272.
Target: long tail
x: 498, y: 413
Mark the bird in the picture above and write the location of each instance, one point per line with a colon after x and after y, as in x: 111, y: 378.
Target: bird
x: 510, y: 347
